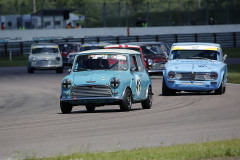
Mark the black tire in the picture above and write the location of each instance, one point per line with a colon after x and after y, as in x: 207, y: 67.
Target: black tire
x: 126, y: 103
x: 90, y: 108
x: 147, y: 104
x: 59, y: 70
x: 30, y: 70
x: 221, y: 89
x: 65, y: 107
x: 165, y: 90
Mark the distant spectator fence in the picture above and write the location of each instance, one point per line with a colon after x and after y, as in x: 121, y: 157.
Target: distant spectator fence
x: 227, y: 40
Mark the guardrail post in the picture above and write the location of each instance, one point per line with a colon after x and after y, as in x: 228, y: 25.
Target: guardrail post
x: 157, y: 38
x: 137, y: 38
x: 118, y: 40
x: 98, y: 39
x: 176, y: 38
x: 196, y: 37
x: 5, y: 49
x: 234, y: 40
x: 215, y: 37
x: 10, y: 56
x: 82, y: 40
x: 21, y: 48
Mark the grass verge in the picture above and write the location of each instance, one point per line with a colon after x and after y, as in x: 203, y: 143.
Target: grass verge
x: 16, y: 61
x: 234, y: 73
x: 196, y: 151
x: 232, y: 52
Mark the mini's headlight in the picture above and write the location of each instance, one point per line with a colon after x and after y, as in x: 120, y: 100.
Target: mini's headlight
x: 58, y: 58
x: 115, y: 82
x: 171, y: 74
x: 150, y: 62
x: 34, y: 59
x: 214, y: 75
x: 67, y: 83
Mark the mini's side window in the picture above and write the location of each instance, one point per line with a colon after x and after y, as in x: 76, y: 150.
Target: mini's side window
x: 136, y: 63
x: 133, y: 63
x: 140, y: 63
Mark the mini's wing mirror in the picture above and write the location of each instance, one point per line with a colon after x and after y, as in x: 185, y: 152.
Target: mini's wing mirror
x: 224, y: 57
x: 69, y: 71
x: 132, y: 69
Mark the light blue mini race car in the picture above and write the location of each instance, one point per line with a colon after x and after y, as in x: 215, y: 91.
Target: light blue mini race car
x: 195, y: 67
x: 105, y: 77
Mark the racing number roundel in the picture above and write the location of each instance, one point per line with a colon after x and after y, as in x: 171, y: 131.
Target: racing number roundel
x: 138, y: 85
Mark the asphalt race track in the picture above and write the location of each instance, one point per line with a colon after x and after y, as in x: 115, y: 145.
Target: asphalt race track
x: 31, y: 121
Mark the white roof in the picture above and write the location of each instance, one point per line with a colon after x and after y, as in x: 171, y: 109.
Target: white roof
x: 112, y: 51
x: 196, y: 46
x: 122, y: 46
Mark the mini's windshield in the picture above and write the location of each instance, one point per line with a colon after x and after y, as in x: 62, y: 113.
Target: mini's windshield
x: 39, y: 50
x: 100, y: 62
x: 151, y: 49
x: 67, y: 47
x: 194, y: 54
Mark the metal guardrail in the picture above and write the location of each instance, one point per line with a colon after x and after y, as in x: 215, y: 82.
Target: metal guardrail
x: 226, y: 40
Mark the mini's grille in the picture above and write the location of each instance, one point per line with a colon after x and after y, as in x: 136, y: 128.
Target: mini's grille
x: 91, y: 91
x: 46, y: 62
x: 158, y: 66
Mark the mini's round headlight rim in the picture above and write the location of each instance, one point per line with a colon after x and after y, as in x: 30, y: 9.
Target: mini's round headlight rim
x: 115, y: 82
x: 58, y: 58
x: 150, y: 62
x: 34, y: 59
x: 67, y: 83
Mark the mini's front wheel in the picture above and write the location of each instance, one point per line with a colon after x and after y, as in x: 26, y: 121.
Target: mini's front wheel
x: 147, y: 104
x: 126, y: 103
x: 59, y: 70
x: 90, y: 108
x: 30, y: 70
x: 65, y: 107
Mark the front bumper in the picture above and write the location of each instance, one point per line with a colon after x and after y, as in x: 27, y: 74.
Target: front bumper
x: 46, y: 67
x: 92, y: 100
x: 156, y: 67
x: 192, y: 85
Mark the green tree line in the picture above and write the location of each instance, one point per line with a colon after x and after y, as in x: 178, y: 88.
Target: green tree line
x: 157, y: 12
x: 11, y: 7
